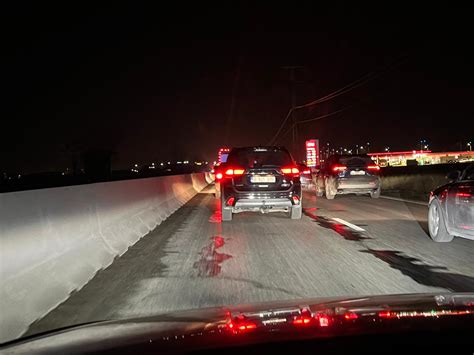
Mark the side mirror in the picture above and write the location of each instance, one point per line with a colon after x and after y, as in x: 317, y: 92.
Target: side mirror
x: 453, y: 175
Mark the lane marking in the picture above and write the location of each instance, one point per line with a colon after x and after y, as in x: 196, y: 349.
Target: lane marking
x: 403, y: 200
x: 350, y: 225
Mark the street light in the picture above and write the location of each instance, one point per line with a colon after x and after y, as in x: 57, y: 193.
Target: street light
x: 470, y: 146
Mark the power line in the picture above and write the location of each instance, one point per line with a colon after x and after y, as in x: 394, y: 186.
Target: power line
x: 314, y: 119
x: 345, y: 89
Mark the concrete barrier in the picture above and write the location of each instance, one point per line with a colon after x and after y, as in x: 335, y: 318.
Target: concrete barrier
x: 53, y: 241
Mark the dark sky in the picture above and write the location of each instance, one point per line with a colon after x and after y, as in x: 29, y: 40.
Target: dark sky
x: 156, y: 84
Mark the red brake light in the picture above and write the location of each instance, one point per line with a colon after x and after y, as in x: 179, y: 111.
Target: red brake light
x: 296, y: 199
x: 219, y: 176
x: 234, y: 172
x: 349, y: 316
x: 374, y: 167
x: 247, y: 326
x: 290, y: 170
x: 463, y: 194
x: 386, y: 314
x: 230, y: 201
x: 303, y: 319
x: 306, y: 171
x: 339, y: 168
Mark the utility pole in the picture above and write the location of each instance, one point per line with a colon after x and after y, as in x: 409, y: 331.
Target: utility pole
x: 294, y: 131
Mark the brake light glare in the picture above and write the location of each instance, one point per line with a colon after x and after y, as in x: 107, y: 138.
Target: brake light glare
x: 230, y: 201
x: 339, y: 168
x: 373, y: 167
x: 234, y: 172
x: 463, y: 194
x: 301, y: 320
x: 290, y: 170
x: 219, y: 176
x: 307, y: 171
x: 247, y: 326
x: 351, y: 316
x: 386, y: 314
x: 296, y: 199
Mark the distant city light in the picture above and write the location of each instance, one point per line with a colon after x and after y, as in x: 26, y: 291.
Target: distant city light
x: 136, y: 165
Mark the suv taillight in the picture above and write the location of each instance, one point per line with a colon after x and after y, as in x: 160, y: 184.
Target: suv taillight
x: 339, y: 168
x: 234, y: 172
x: 373, y: 167
x: 290, y: 170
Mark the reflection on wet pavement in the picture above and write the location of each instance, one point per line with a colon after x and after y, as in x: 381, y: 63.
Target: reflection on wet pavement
x: 342, y: 230
x: 209, y: 263
x: 216, y: 217
x: 422, y: 273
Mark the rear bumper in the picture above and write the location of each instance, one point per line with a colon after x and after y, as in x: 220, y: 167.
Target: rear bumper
x: 357, y: 185
x: 267, y: 205
x: 266, y: 201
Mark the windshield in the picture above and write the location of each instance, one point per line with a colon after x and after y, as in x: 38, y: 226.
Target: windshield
x: 158, y: 160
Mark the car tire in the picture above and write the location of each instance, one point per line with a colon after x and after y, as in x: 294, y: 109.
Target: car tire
x: 296, y: 212
x: 437, y: 224
x: 226, y: 213
x: 330, y: 193
x: 319, y: 191
x: 375, y: 193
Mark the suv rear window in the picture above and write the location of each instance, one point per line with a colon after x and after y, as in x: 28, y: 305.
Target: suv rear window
x: 259, y: 157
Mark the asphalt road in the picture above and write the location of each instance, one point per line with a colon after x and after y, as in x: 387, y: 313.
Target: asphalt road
x: 192, y: 260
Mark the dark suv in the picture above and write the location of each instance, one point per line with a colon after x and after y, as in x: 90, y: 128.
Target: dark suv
x: 264, y: 179
x: 345, y: 174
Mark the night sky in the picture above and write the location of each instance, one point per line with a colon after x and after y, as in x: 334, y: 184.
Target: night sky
x: 155, y: 84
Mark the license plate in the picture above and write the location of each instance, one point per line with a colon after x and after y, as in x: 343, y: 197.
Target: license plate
x: 357, y: 172
x: 258, y: 179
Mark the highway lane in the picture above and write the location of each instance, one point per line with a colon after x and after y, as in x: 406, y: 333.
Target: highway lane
x: 193, y: 260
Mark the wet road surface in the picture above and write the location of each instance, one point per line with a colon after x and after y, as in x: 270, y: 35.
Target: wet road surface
x: 352, y: 245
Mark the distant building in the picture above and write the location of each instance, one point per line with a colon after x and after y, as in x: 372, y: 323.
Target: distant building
x: 421, y: 157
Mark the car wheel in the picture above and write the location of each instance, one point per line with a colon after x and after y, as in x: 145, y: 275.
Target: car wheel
x: 226, y: 212
x: 330, y: 191
x: 296, y: 212
x: 376, y: 193
x: 319, y: 191
x: 436, y: 223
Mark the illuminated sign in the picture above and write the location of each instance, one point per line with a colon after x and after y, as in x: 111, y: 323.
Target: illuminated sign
x: 312, y: 153
x: 222, y: 155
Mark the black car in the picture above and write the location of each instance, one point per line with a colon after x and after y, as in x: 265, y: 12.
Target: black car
x: 451, y: 207
x: 346, y: 174
x: 264, y: 179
